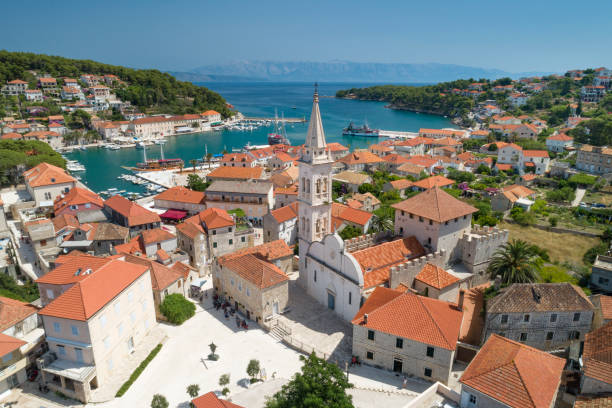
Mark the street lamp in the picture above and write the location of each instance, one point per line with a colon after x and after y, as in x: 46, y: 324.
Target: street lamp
x: 347, y: 370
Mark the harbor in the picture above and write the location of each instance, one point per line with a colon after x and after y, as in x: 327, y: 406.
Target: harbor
x: 103, y: 165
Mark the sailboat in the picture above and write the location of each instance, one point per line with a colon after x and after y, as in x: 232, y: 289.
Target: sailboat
x: 279, y: 136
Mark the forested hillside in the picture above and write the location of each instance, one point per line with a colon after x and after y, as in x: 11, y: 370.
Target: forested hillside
x: 149, y: 89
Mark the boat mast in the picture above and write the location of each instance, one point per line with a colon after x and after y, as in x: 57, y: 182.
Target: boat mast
x: 161, y: 146
x: 144, y: 152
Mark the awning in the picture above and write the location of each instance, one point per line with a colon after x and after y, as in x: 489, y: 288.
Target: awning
x: 174, y: 214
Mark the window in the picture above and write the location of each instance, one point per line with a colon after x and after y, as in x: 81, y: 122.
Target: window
x: 350, y: 297
x: 370, y: 355
x: 61, y: 350
x: 240, y: 286
x: 420, y: 219
x: 50, y: 294
x: 472, y: 399
x: 232, y: 282
x: 315, y: 275
x: 574, y: 335
x: 56, y: 327
x: 74, y: 330
x: 504, y: 319
x: 526, y: 318
x: 243, y: 239
x: 229, y: 229
x: 549, y: 336
x: 430, y: 351
x: 603, y: 281
x: 107, y: 342
x: 427, y: 372
x: 6, y: 358
x: 248, y: 291
x: 214, y: 232
x: 399, y: 343
x: 553, y: 317
x: 214, y: 244
x: 576, y: 317
x: 231, y: 241
x: 411, y: 216
x: 523, y: 337
x: 370, y: 334
x: 79, y: 354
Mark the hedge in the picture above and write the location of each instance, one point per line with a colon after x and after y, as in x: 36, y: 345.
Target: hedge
x: 126, y: 385
x: 176, y: 308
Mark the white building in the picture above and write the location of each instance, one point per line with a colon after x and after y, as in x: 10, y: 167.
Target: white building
x: 34, y: 95
x: 559, y: 142
x: 15, y: 87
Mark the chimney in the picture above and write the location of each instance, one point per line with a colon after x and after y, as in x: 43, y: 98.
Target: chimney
x: 497, y: 282
x: 461, y: 298
x: 365, y: 318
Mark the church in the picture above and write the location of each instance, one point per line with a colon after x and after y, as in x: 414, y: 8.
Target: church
x: 431, y: 227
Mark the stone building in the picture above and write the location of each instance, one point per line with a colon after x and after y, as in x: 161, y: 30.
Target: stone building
x: 254, y: 280
x: 282, y: 224
x: 597, y: 361
x: 601, y: 276
x: 45, y: 182
x: 546, y: 316
x: 384, y: 334
x: 594, y: 159
x: 506, y: 373
x: 181, y: 198
x: 94, y: 324
x: 131, y: 215
x: 255, y: 198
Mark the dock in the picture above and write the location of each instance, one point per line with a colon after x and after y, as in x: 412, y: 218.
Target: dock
x: 396, y: 134
x: 286, y: 120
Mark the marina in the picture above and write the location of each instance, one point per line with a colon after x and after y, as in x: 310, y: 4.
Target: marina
x: 104, y: 163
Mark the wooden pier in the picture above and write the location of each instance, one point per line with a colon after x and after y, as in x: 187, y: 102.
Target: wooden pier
x: 286, y: 120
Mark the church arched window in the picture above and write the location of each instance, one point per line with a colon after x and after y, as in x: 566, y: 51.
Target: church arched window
x: 318, y: 184
x: 325, y: 184
x: 303, y: 184
x: 307, y: 186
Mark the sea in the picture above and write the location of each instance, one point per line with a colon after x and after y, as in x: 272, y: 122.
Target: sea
x: 257, y: 99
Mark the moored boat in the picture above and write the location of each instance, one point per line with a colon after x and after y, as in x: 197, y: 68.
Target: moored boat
x: 365, y: 130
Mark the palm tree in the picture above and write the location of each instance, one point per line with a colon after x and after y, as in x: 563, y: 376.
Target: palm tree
x: 209, y: 157
x: 193, y: 163
x: 516, y: 262
x: 382, y: 222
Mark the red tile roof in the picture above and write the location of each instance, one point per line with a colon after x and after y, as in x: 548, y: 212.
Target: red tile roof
x: 606, y: 306
x: 9, y: 344
x: 425, y: 161
x: 270, y: 251
x: 181, y: 194
x: 535, y: 153
x: 135, y: 214
x: 12, y: 135
x: 63, y: 221
x: 46, y: 174
x: 562, y: 137
x: 376, y: 261
x: 360, y: 157
x: 13, y: 311
x: 161, y: 275
x: 430, y: 321
x: 395, y: 158
x: 190, y: 229
x: 436, y: 277
x: 597, y: 354
x: 285, y: 213
x: 76, y: 196
x: 433, y: 181
x: 514, y: 374
x: 352, y: 215
x: 593, y: 401
x: 72, y: 268
x: 237, y: 158
x: 87, y: 296
x: 212, y: 218
x: 503, y: 167
x: 210, y: 400
x: 261, y: 273
x: 435, y: 204
x: 229, y: 172
x: 336, y: 147
x: 156, y: 235
x: 401, y: 184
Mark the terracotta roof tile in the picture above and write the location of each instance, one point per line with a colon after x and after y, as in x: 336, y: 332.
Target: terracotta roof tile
x: 514, y: 374
x: 87, y: 296
x: 72, y: 268
x: 46, y: 174
x: 190, y: 229
x: 376, y: 261
x: 593, y: 401
x: 436, y: 277
x: 181, y: 194
x: 336, y: 147
x: 13, y: 311
x: 606, y: 306
x: 212, y: 218
x: 156, y: 235
x: 76, y: 196
x: 597, y: 354
x: 539, y: 297
x: 395, y: 159
x: 270, y: 251
x: 401, y: 184
x: 435, y: 204
x: 237, y: 158
x: 65, y: 220
x: 228, y: 172
x: 161, y: 275
x: 430, y: 321
x: 360, y: 157
x: 352, y: 215
x: 433, y: 181
x: 285, y: 213
x: 9, y: 344
x: 261, y: 273
x: 210, y: 400
x: 135, y: 214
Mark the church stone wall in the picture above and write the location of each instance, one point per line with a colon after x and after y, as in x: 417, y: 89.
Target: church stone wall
x: 478, y: 247
x: 406, y: 272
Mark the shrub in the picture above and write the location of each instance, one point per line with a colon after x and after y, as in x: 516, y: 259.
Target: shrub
x: 159, y: 401
x: 176, y: 308
x: 212, y: 356
x: 253, y: 368
x: 553, y: 221
x: 126, y: 385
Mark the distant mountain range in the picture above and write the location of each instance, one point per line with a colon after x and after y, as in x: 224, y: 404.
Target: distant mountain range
x: 341, y: 71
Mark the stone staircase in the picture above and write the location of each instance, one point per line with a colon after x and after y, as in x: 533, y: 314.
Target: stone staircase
x: 278, y: 332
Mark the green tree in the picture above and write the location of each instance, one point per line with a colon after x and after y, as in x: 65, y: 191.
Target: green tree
x: 319, y: 385
x: 253, y: 369
x: 350, y: 231
x: 516, y: 262
x: 193, y: 390
x: 159, y: 401
x: 224, y: 380
x: 213, y: 356
x: 196, y: 183
x: 176, y: 308
x: 382, y: 222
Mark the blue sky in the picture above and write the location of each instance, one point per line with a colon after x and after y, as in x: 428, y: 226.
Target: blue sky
x: 517, y: 36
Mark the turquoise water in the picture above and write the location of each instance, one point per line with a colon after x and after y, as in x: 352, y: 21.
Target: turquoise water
x: 257, y: 99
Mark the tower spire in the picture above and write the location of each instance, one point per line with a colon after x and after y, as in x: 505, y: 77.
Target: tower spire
x: 316, y: 136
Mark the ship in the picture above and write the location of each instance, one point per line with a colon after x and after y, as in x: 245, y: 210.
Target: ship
x: 159, y: 164
x: 352, y: 130
x: 279, y: 136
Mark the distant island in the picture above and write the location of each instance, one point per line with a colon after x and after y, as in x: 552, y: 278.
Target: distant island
x: 150, y: 90
x: 341, y: 71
